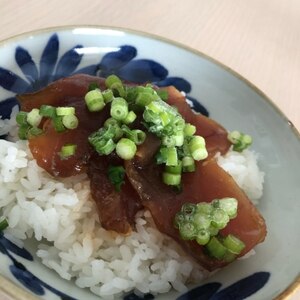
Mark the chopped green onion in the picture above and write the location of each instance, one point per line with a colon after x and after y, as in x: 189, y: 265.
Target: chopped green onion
x: 111, y: 80
x: 165, y: 118
x: 112, y: 122
x: 229, y: 256
x: 215, y: 248
x: 67, y: 150
x: 163, y: 94
x: 179, y: 138
x: 105, y: 147
x: 139, y: 136
x: 93, y: 86
x: 189, y: 129
x: 130, y: 118
x: 187, y: 231
x: 247, y: 139
x: 34, y: 131
x: 203, y: 237
x: 174, y: 169
x: 94, y: 100
x: 118, y: 133
x: 102, y: 140
x: 119, y: 109
x: 172, y: 159
x: 70, y: 121
x: 152, y: 117
x: 126, y: 148
x: 34, y: 118
x: 213, y: 231
x: 48, y: 111
x: 155, y: 106
x: 136, y: 135
x: 168, y: 141
x: 204, y: 208
x: 188, y: 164
x: 114, y: 83
x: 58, y: 124
x: 219, y: 218
x: 229, y: 205
x: 197, y: 148
x: 178, y: 123
x: 233, y: 244
x: 65, y: 111
x: 3, y: 224
x: 23, y: 131
x: 188, y: 208
x: 161, y: 155
x: 239, y: 140
x: 202, y: 221
x: 118, y: 90
x: 171, y: 179
x: 179, y: 219
x: 234, y: 136
x: 108, y: 96
x: 116, y: 175
x: 145, y: 98
x: 21, y: 118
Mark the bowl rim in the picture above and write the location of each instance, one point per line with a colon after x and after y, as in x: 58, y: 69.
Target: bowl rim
x: 18, y: 293
x: 27, y: 34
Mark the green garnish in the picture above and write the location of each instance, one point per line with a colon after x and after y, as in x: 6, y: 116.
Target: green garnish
x: 239, y: 140
x: 21, y: 118
x: 23, y: 131
x: 48, y: 111
x: 34, y: 131
x: 67, y: 150
x: 34, y: 118
x: 116, y: 175
x: 188, y: 164
x: 234, y: 244
x: 108, y: 95
x: 136, y: 135
x: 203, y: 221
x: 94, y: 100
x: 58, y: 124
x: 119, y: 109
x: 65, y: 111
x: 126, y: 148
x: 178, y: 139
x: 103, y: 139
x: 70, y: 121
x: 93, y: 86
x: 130, y: 118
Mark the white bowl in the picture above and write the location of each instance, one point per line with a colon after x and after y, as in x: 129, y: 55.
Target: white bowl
x: 30, y: 61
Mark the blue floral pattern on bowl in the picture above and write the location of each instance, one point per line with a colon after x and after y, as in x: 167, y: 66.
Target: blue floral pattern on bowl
x: 51, y: 68
x: 122, y: 63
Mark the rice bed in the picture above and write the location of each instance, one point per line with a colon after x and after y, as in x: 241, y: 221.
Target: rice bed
x: 62, y: 216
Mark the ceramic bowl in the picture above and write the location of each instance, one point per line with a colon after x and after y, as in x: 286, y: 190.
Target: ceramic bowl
x: 31, y: 61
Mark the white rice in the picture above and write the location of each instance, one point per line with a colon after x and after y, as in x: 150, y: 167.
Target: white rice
x: 62, y: 216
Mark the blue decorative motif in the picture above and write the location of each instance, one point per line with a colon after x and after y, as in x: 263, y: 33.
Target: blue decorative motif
x: 121, y: 62
x: 237, y: 291
x: 19, y: 271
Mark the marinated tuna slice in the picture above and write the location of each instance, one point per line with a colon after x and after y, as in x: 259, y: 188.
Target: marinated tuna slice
x: 207, y: 183
x: 46, y: 148
x: 116, y: 209
x: 59, y: 92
